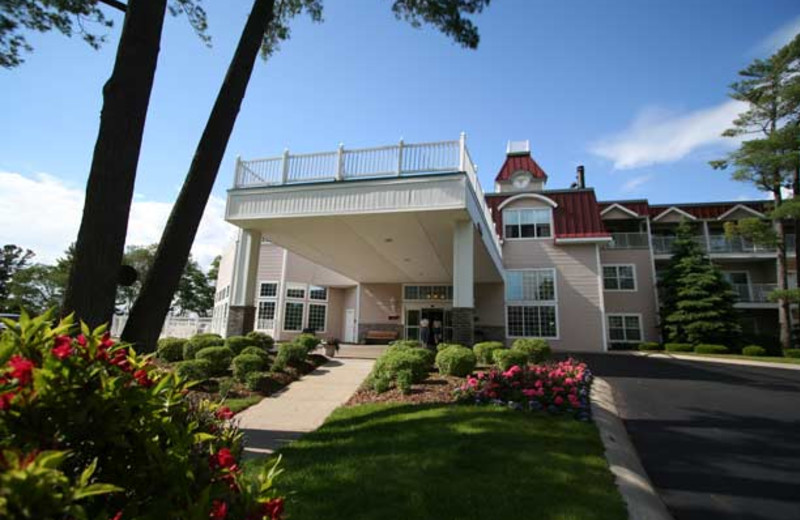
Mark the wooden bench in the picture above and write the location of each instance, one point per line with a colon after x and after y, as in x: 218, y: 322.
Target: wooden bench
x: 380, y: 336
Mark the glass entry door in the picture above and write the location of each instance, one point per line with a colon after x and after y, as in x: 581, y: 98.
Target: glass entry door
x: 414, y: 315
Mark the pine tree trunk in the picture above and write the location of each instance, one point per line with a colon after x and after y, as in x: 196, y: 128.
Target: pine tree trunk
x: 784, y: 316
x: 92, y: 284
x: 151, y: 306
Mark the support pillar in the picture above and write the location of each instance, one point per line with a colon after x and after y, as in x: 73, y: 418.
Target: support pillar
x: 242, y: 307
x: 464, y: 283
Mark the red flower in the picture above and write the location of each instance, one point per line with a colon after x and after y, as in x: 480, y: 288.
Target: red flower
x: 118, y: 516
x: 142, y: 378
x: 81, y: 340
x: 21, y: 369
x: 106, y: 340
x: 5, y: 400
x: 219, y: 510
x: 224, y: 413
x: 273, y: 508
x: 120, y: 359
x: 63, y: 348
x: 223, y: 459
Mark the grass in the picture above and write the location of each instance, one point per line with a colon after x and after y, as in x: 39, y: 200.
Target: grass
x: 765, y: 359
x: 400, y: 461
x: 237, y: 404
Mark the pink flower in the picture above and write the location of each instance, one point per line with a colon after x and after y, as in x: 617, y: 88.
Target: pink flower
x: 529, y: 392
x: 219, y: 510
x: 558, y: 400
x: 5, y: 400
x: 224, y: 413
x: 273, y: 508
x: 118, y: 516
x: 142, y: 378
x: 21, y: 369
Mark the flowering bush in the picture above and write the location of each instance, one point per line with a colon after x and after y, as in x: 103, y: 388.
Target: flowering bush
x: 90, y: 429
x: 555, y: 387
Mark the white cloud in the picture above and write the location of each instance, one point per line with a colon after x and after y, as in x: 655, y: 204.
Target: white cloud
x: 635, y: 183
x: 778, y: 38
x: 42, y: 213
x: 658, y: 136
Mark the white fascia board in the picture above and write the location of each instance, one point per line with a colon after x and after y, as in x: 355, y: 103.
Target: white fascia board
x: 584, y: 240
x: 676, y: 210
x: 620, y: 208
x: 743, y: 208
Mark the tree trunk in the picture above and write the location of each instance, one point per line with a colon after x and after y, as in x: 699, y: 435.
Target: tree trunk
x: 151, y: 306
x: 92, y: 284
x: 784, y: 316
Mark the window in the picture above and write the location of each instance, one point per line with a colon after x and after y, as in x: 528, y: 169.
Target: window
x: 296, y: 291
x: 316, y: 316
x: 624, y: 327
x: 527, y: 223
x: 318, y: 293
x: 266, y: 315
x: 268, y: 290
x: 293, y: 317
x: 533, y: 307
x: 428, y: 292
x: 619, y: 278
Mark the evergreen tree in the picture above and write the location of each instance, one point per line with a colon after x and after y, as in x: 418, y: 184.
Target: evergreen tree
x: 697, y: 302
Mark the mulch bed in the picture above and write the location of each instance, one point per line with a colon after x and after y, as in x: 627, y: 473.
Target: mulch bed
x: 436, y: 388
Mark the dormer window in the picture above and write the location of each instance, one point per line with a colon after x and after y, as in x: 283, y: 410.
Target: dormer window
x: 528, y: 223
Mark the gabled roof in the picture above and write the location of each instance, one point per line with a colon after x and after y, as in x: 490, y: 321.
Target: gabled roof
x: 619, y: 207
x: 638, y: 206
x: 711, y: 210
x: 517, y: 162
x: 674, y: 209
x: 576, y: 216
x: 741, y: 207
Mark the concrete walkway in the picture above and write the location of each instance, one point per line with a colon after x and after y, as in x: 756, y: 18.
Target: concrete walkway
x: 303, y: 406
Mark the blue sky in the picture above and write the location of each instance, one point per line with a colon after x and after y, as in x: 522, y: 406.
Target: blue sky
x: 635, y: 90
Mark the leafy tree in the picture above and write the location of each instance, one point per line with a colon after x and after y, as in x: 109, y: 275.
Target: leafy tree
x: 12, y: 259
x: 266, y: 26
x: 697, y: 301
x: 195, y: 290
x: 37, y: 288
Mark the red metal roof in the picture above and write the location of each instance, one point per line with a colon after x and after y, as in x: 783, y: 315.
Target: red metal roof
x: 577, y: 214
x: 710, y: 210
x: 517, y: 162
x: 640, y: 207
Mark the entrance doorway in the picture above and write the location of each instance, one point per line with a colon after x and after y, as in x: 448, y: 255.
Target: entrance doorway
x: 415, y: 315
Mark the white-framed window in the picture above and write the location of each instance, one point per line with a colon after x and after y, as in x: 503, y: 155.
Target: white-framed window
x: 620, y: 277
x: 532, y: 303
x: 624, y: 328
x: 293, y: 316
x: 266, y: 315
x: 528, y: 223
x: 268, y: 290
x: 318, y: 293
x: 427, y: 292
x: 296, y: 291
x: 317, y: 316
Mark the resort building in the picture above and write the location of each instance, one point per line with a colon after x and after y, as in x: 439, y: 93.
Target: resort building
x: 365, y: 244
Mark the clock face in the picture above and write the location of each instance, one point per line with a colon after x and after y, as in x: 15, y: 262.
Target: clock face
x: 521, y: 181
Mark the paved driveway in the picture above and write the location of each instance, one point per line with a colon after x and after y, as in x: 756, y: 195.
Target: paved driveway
x: 718, y: 441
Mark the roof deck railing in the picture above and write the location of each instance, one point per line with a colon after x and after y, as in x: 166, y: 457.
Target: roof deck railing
x: 399, y: 160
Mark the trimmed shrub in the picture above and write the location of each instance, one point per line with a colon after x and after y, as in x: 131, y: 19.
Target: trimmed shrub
x: 256, y: 351
x: 219, y: 357
x: 238, y: 343
x: 507, y: 358
x: 194, y: 369
x: 791, y: 352
x: 537, y: 350
x: 307, y: 341
x: 199, y: 342
x: 650, y: 346
x: 678, y: 347
x: 711, y: 349
x: 407, y: 343
x: 754, y: 350
x: 381, y: 383
x: 395, y: 359
x: 290, y: 354
x: 404, y: 381
x: 456, y: 361
x: 483, y: 351
x: 260, y: 339
x: 258, y: 381
x: 225, y: 386
x: 441, y: 346
x: 170, y: 349
x: 245, y: 364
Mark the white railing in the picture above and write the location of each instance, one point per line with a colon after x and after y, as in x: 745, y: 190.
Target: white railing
x: 629, y: 241
x: 397, y: 160
x: 174, y: 326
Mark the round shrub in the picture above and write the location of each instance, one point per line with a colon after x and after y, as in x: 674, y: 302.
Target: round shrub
x: 256, y: 351
x: 199, y: 342
x: 258, y: 381
x: 404, y: 381
x: 407, y: 343
x: 483, y: 351
x: 380, y: 383
x: 678, y: 347
x: 651, y: 346
x: 238, y: 343
x: 170, y: 349
x: 219, y: 357
x: 456, y: 361
x: 791, y: 352
x: 711, y: 349
x: 194, y: 369
x: 441, y: 346
x: 394, y: 360
x: 507, y: 358
x: 244, y: 364
x: 754, y: 350
x: 290, y: 354
x: 537, y: 350
x: 307, y: 341
x: 260, y: 339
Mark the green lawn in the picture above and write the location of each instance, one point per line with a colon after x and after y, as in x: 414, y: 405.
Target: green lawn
x: 765, y: 359
x: 400, y: 461
x: 237, y: 404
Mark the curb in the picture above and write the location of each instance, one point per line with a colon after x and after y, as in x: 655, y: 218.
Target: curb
x: 632, y: 481
x: 726, y: 361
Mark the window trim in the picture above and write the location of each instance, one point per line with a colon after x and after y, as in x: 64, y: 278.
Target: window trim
x: 532, y: 208
x: 312, y: 287
x: 307, y: 320
x: 623, y: 315
x: 277, y: 289
x: 616, y: 267
x: 290, y: 286
x: 450, y: 289
x: 534, y: 303
x: 274, y: 301
x: 302, y: 315
x: 555, y: 284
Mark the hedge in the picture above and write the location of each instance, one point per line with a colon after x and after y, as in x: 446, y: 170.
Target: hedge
x: 238, y: 343
x: 289, y: 354
x: 507, y: 358
x: 170, y: 349
x: 199, y: 342
x: 256, y: 351
x: 678, y: 347
x: 307, y: 341
x: 441, y: 346
x: 537, y: 350
x: 219, y: 357
x: 194, y: 369
x: 754, y: 350
x: 456, y: 360
x: 711, y: 349
x: 244, y: 364
x: 483, y: 351
x: 260, y: 339
x: 791, y: 352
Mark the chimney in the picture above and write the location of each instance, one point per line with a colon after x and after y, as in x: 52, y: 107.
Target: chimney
x: 581, y: 177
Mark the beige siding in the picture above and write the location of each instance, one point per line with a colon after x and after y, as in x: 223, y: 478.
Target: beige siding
x: 304, y: 270
x: 270, y: 263
x: 642, y: 301
x: 379, y: 301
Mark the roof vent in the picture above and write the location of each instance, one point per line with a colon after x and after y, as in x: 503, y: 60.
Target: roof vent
x: 515, y: 147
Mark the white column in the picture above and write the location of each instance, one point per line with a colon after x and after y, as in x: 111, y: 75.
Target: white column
x: 463, y: 264
x: 245, y: 268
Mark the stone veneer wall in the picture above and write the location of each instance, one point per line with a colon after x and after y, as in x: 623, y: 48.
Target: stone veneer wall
x: 464, y: 325
x: 240, y: 320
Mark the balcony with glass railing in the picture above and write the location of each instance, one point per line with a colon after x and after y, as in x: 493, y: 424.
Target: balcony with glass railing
x: 721, y: 245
